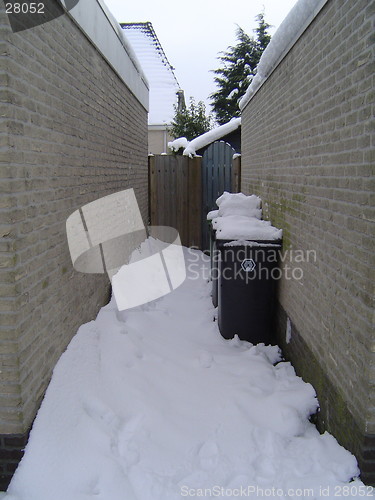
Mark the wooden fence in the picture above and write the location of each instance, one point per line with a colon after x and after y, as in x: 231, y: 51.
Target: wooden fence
x: 175, y: 194
x: 175, y: 198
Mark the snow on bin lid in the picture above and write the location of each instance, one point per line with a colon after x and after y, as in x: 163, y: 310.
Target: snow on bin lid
x: 213, y: 214
x: 239, y: 204
x: 237, y: 227
x: 237, y: 198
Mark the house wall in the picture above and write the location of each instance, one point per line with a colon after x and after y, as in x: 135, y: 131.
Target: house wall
x: 158, y: 139
x: 307, y: 151
x: 71, y: 132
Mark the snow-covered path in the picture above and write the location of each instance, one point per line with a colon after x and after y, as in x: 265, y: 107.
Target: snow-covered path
x: 156, y: 405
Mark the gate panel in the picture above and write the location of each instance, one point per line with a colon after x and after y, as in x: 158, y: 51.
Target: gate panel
x: 216, y: 177
x: 175, y: 195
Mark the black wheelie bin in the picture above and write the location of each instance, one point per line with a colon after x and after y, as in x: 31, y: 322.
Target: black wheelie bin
x: 247, y: 281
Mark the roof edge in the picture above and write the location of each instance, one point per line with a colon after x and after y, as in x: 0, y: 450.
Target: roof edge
x: 150, y: 27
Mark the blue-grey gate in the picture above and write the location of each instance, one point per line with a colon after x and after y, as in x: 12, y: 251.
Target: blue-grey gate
x: 216, y: 178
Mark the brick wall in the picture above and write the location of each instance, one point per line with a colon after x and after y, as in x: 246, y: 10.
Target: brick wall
x: 71, y: 132
x: 307, y: 151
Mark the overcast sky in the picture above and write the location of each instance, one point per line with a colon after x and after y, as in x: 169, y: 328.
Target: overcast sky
x: 193, y: 32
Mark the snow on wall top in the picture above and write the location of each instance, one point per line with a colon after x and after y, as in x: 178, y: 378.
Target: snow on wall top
x: 203, y: 140
x: 159, y: 72
x: 289, y: 31
x: 95, y: 20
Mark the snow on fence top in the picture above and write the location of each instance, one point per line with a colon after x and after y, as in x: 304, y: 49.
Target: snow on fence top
x: 179, y: 143
x: 203, y: 140
x: 289, y: 31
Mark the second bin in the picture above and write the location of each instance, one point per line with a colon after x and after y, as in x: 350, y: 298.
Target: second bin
x: 247, y: 279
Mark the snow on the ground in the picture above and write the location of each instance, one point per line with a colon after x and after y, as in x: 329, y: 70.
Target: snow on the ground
x: 158, y: 406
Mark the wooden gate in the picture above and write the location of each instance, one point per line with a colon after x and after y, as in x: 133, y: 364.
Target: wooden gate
x: 216, y: 177
x: 175, y: 195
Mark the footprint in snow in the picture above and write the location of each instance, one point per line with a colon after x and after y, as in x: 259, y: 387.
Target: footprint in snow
x: 127, y: 448
x: 205, y: 359
x: 130, y: 454
x: 241, y: 480
x: 138, y: 353
x: 129, y: 428
x: 208, y: 455
x: 93, y: 487
x: 265, y: 468
x: 101, y: 414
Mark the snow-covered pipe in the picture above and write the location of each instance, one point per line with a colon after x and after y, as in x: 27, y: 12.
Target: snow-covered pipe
x: 203, y: 140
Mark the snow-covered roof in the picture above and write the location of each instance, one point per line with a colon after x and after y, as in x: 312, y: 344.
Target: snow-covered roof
x: 205, y: 139
x: 159, y: 72
x: 289, y: 31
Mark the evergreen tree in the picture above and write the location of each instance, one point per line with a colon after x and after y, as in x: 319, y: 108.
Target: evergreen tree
x: 237, y: 70
x: 190, y: 121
